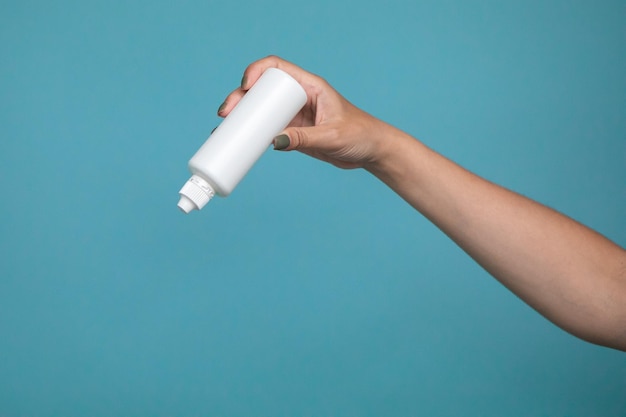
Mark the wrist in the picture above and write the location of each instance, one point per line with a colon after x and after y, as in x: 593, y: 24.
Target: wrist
x: 389, y: 146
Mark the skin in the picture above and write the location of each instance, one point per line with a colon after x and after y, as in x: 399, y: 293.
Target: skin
x: 570, y: 274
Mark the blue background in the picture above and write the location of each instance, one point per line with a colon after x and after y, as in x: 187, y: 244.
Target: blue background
x: 310, y: 291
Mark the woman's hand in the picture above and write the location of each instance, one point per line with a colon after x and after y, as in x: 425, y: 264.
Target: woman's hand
x: 328, y: 127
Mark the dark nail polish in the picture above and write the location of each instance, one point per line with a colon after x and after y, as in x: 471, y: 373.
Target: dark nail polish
x: 222, y: 107
x: 244, y: 80
x: 281, y: 142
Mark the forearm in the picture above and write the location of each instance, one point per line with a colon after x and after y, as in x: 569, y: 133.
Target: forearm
x: 569, y: 273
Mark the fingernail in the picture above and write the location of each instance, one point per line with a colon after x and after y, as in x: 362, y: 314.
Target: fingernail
x: 222, y: 107
x: 244, y: 80
x: 281, y: 142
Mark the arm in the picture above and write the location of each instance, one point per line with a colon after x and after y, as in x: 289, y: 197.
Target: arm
x: 567, y: 272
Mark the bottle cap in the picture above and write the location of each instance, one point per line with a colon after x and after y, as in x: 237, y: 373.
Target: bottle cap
x: 195, y: 194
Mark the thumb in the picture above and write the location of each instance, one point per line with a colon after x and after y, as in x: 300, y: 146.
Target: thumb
x: 301, y: 138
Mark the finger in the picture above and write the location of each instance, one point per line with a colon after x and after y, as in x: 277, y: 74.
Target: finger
x: 230, y: 102
x: 304, y: 138
x: 316, y: 142
x: 311, y: 83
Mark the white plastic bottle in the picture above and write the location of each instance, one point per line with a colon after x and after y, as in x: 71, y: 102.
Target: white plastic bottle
x: 242, y: 137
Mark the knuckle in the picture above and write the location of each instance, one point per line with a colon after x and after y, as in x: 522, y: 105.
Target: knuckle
x: 317, y: 84
x: 299, y: 140
x: 272, y: 60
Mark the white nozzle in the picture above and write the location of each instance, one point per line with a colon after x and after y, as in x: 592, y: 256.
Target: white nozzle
x: 195, y: 194
x: 185, y: 204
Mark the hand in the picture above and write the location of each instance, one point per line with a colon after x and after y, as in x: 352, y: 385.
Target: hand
x: 328, y: 128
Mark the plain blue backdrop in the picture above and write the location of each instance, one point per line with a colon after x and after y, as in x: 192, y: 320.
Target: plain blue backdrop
x: 310, y: 291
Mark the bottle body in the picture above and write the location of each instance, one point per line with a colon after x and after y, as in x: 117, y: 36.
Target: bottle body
x: 242, y: 137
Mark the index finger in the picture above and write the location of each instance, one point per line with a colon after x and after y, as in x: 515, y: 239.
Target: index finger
x: 310, y: 82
